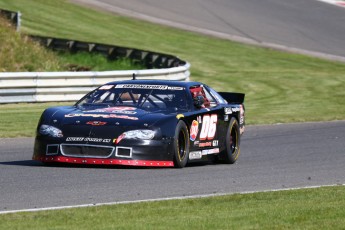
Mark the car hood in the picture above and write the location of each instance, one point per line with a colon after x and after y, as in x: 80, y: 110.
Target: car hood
x: 102, y: 122
x: 123, y: 116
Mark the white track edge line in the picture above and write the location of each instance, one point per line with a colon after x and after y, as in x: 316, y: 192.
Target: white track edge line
x: 334, y: 2
x: 161, y: 199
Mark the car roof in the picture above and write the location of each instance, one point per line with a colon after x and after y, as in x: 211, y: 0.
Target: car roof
x: 158, y: 82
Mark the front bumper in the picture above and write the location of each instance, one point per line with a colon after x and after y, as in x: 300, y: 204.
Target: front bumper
x: 149, y: 153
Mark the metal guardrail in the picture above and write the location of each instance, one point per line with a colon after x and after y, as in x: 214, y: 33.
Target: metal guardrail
x: 148, y: 59
x: 14, y: 17
x: 70, y: 86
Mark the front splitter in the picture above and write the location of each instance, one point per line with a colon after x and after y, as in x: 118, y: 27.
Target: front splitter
x: 96, y: 161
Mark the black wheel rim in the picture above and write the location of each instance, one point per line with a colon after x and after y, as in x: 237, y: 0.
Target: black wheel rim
x: 233, y: 140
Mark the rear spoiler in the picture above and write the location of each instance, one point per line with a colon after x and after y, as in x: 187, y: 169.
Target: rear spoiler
x: 233, y: 98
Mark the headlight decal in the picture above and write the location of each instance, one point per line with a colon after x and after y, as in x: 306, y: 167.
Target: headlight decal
x: 48, y: 130
x: 140, y: 134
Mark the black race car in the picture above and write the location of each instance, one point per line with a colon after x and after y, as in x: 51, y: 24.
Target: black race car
x: 143, y: 123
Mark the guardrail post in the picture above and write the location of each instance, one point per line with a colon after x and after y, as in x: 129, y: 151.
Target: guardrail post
x: 18, y: 21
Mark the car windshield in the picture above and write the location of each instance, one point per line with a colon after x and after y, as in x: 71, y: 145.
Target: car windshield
x: 146, y: 97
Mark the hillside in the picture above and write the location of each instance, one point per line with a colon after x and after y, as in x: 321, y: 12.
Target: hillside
x: 20, y: 54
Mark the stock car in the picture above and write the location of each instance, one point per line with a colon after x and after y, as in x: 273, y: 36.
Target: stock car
x: 144, y: 123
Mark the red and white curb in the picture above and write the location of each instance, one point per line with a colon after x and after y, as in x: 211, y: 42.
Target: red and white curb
x: 335, y: 2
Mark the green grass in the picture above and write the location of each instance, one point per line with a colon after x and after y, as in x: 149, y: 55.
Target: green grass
x: 83, y: 61
x: 280, y: 87
x: 20, y: 120
x: 321, y: 208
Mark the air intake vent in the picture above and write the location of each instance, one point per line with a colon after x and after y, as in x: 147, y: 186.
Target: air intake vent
x: 124, y: 152
x: 52, y: 149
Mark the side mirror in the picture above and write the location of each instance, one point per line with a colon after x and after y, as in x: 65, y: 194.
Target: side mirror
x: 198, y: 101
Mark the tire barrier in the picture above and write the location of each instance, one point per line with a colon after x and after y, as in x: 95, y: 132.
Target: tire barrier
x: 18, y: 87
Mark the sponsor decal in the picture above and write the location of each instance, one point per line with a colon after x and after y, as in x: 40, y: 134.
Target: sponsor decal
x: 199, y: 119
x: 196, y: 143
x: 175, y: 88
x: 195, y: 155
x: 210, y: 151
x: 241, y: 114
x: 74, y: 138
x: 205, y: 144
x: 178, y: 116
x: 226, y: 117
x: 101, y: 116
x: 241, y: 120
x: 231, y: 110
x: 106, y: 87
x: 97, y: 123
x: 114, y: 111
x: 120, y: 110
x: 215, y: 143
x: 137, y: 86
x: 235, y: 109
x: 91, y: 139
x: 227, y: 110
x: 194, y: 129
x: 88, y: 139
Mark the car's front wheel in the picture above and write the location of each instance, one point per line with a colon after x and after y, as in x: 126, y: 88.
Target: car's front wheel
x: 181, y: 145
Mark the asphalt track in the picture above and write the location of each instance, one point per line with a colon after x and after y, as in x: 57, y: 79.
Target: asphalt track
x: 302, y: 26
x: 272, y: 157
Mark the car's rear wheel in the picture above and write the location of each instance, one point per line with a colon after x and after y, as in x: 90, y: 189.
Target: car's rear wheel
x: 181, y: 145
x: 232, y: 142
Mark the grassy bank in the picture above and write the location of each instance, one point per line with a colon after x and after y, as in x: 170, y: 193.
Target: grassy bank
x: 321, y: 208
x: 20, y: 54
x: 279, y: 87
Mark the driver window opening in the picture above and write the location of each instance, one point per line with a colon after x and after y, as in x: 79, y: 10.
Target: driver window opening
x: 201, y: 97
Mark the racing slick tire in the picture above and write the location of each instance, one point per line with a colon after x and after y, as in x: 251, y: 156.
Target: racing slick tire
x: 181, y: 145
x: 232, y: 142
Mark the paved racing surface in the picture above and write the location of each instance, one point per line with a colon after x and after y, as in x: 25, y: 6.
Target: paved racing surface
x: 272, y: 157
x: 304, y: 24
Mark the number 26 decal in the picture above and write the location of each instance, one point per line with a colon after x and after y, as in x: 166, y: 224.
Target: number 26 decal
x: 209, y: 127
